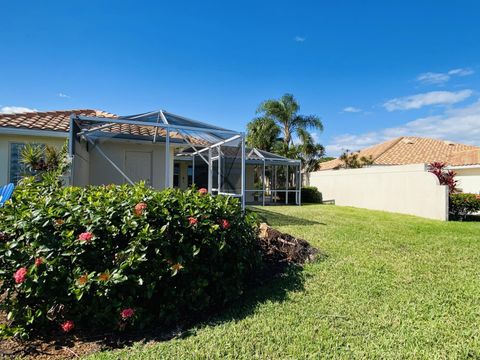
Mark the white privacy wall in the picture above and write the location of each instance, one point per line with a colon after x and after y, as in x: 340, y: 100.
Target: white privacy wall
x: 406, y: 189
x: 468, y: 179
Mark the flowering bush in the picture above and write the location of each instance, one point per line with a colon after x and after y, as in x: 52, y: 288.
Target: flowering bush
x: 119, y: 256
x: 462, y: 205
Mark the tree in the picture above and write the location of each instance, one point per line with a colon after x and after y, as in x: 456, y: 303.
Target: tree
x: 309, y: 152
x: 284, y: 112
x: 262, y: 133
x: 354, y: 160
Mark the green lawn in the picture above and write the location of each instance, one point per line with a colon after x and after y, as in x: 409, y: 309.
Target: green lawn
x: 393, y: 286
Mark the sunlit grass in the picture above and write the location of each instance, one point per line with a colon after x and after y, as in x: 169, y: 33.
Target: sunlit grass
x: 393, y: 286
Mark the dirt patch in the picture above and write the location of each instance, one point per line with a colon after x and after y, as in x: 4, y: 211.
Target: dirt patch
x: 279, y: 251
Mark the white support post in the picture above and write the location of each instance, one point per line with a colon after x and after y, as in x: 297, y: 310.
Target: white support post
x: 274, y: 182
x: 219, y: 171
x: 286, y: 189
x: 167, y: 158
x: 300, y: 184
x: 193, y: 169
x: 210, y: 170
x: 296, y: 185
x: 243, y: 172
x: 263, y: 182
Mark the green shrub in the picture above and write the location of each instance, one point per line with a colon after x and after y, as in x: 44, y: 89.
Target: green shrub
x: 119, y: 256
x: 310, y: 194
x: 461, y: 205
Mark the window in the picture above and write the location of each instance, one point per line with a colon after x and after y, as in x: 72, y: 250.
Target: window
x: 190, y: 175
x: 17, y: 170
x: 176, y: 175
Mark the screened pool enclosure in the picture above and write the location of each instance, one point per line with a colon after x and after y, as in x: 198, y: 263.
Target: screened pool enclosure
x: 168, y: 150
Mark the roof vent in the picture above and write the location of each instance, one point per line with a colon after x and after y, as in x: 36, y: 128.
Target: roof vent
x: 447, y: 142
x: 407, y: 141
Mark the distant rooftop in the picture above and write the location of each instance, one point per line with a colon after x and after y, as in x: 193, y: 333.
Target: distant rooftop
x: 415, y: 150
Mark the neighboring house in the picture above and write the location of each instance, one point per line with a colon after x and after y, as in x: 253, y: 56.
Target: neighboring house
x: 463, y: 159
x: 120, y: 149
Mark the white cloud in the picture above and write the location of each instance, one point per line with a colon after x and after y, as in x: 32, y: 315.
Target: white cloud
x: 433, y: 78
x: 437, y: 78
x: 15, y: 109
x: 431, y: 98
x: 62, y: 95
x: 461, y: 125
x: 299, y: 39
x: 461, y: 72
x: 351, y: 109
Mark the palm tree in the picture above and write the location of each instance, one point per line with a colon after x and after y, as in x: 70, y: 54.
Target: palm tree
x: 309, y: 152
x: 262, y: 133
x: 284, y: 112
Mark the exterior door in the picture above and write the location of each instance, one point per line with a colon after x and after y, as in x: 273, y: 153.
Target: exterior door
x: 138, y: 166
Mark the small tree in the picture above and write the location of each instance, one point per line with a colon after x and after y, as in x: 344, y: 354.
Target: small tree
x: 45, y: 161
x: 446, y: 177
x: 354, y: 160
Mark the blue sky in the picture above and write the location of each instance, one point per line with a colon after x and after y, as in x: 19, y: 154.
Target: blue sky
x: 371, y: 70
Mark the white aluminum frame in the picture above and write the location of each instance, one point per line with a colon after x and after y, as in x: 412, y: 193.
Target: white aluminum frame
x: 108, y: 122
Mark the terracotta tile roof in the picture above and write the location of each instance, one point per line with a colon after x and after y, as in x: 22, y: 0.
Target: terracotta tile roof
x: 47, y: 120
x: 465, y: 158
x: 60, y: 121
x: 415, y: 150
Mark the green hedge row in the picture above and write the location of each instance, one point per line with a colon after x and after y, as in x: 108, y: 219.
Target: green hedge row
x: 119, y: 256
x: 310, y: 194
x: 461, y: 205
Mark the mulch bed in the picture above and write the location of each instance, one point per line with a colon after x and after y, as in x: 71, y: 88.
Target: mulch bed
x: 279, y: 251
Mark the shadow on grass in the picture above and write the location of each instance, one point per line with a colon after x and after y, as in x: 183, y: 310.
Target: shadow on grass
x: 274, y: 288
x: 272, y: 284
x: 279, y: 219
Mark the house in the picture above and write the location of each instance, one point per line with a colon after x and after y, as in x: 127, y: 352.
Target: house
x: 160, y: 148
x: 463, y: 159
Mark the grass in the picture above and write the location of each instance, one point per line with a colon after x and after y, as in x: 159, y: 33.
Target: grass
x: 393, y: 286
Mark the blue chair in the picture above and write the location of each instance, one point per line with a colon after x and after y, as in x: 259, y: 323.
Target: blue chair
x: 6, y: 192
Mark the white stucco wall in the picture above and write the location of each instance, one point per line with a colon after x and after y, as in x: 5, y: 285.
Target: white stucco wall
x: 6, y: 139
x: 101, y: 172
x: 406, y: 189
x: 468, y: 179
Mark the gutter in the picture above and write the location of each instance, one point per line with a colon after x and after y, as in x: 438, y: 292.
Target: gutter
x: 33, y: 132
x: 461, y: 167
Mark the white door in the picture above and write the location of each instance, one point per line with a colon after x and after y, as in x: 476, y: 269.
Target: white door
x: 138, y: 166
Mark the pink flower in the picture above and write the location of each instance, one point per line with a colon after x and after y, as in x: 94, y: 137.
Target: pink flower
x: 38, y: 262
x: 67, y: 326
x: 224, y: 224
x: 127, y: 313
x: 20, y: 275
x: 192, y: 220
x: 86, y: 236
x: 140, y: 208
x: 203, y: 191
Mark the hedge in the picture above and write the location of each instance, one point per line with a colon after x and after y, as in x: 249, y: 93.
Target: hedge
x: 310, y: 194
x: 461, y: 205
x: 114, y: 257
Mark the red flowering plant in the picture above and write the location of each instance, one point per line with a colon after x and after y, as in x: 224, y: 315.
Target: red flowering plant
x: 123, y: 256
x: 445, y: 177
